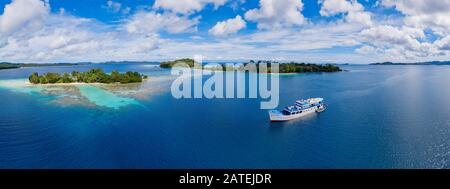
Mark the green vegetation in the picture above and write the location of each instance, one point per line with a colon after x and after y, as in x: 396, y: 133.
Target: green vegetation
x: 49, y: 64
x: 416, y: 63
x: 291, y: 67
x: 8, y: 66
x: 294, y: 67
x: 305, y: 68
x: 170, y: 64
x: 91, y: 76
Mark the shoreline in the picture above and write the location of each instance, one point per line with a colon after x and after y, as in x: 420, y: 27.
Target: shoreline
x: 280, y: 74
x: 28, y: 83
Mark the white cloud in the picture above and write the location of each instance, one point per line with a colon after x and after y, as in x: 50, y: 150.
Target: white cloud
x: 62, y: 37
x: 227, y: 27
x: 319, y: 36
x: 354, y: 11
x: 363, y: 18
x: 150, y: 22
x: 277, y: 14
x: 365, y: 50
x: 333, y: 7
x: 30, y: 33
x: 406, y: 40
x: 116, y: 7
x: 186, y: 6
x: 69, y: 38
x: 386, y: 36
x: 443, y: 44
x: 425, y: 14
x: 22, y: 13
x: 402, y: 43
x: 282, y: 44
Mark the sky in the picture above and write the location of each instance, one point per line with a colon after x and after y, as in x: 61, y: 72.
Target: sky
x: 316, y: 31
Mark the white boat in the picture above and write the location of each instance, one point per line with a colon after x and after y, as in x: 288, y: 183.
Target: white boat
x: 300, y: 109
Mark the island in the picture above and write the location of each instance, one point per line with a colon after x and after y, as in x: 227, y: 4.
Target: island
x: 170, y: 64
x: 417, y: 63
x: 4, y: 66
x: 7, y: 65
x: 91, y: 76
x: 291, y: 67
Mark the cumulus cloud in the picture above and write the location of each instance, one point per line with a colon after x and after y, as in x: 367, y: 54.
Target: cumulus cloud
x: 365, y: 50
x: 319, y: 36
x: 385, y: 36
x: 354, y: 11
x: 227, y: 27
x: 333, y: 7
x: 407, y: 40
x: 29, y: 32
x: 61, y: 37
x: 426, y: 14
x: 23, y: 13
x: 401, y: 42
x: 283, y: 44
x: 443, y: 44
x: 186, y: 6
x: 277, y: 14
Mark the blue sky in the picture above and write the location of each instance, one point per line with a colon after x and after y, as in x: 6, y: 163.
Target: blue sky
x: 334, y: 31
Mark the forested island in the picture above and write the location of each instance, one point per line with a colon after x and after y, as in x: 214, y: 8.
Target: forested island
x: 91, y: 76
x: 291, y: 67
x: 417, y: 63
x: 170, y: 64
x: 7, y: 65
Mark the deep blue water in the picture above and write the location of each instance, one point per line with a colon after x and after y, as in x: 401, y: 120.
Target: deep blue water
x: 378, y: 117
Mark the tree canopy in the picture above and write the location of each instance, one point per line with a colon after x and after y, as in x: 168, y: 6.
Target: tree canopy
x: 170, y: 64
x: 91, y: 76
x: 291, y: 67
x: 8, y: 66
x: 305, y: 68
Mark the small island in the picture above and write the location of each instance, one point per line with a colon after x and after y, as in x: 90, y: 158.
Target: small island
x: 7, y: 65
x: 91, y: 76
x: 437, y: 63
x: 291, y: 67
x: 170, y: 64
x: 4, y: 66
x: 294, y: 67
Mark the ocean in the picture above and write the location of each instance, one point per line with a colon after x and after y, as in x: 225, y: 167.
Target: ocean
x: 377, y: 117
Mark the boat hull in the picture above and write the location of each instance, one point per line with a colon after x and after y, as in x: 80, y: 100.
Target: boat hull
x: 276, y: 116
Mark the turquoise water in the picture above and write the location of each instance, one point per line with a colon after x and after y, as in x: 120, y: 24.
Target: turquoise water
x: 19, y: 85
x: 377, y: 117
x: 93, y: 94
x: 104, y: 98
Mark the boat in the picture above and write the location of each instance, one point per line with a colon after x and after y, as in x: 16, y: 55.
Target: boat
x: 299, y: 109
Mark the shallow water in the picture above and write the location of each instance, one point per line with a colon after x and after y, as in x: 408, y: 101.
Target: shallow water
x: 104, y: 98
x: 378, y: 117
x: 19, y: 85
